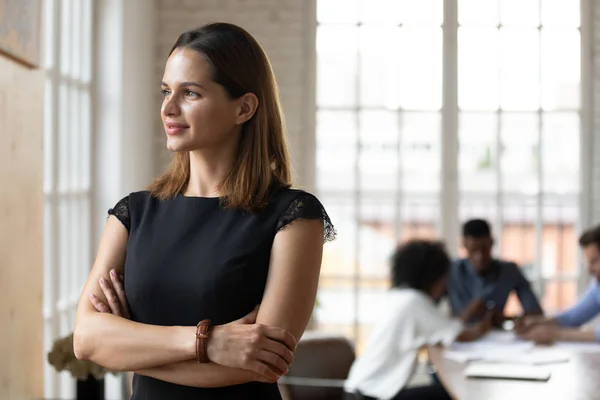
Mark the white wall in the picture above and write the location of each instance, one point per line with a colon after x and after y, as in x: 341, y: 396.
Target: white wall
x: 286, y: 30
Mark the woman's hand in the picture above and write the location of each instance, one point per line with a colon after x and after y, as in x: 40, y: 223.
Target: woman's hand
x: 115, y: 295
x: 265, y: 350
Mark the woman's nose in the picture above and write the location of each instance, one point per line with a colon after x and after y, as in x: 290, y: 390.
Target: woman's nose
x: 170, y: 106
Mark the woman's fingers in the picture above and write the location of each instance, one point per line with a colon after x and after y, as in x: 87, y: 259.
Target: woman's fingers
x: 273, y: 361
x: 265, y: 371
x: 98, y: 304
x: 111, y: 297
x: 278, y: 334
x: 280, y: 350
x: 117, y: 284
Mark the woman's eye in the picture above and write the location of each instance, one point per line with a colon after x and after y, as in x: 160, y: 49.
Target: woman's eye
x: 191, y: 94
x: 165, y: 92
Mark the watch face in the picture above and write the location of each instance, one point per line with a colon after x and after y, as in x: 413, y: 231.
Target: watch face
x: 508, y: 325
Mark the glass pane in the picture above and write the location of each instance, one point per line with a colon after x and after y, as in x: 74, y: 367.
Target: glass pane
x: 477, y: 69
x: 49, y: 37
x: 336, y: 66
x: 520, y: 12
x: 377, y: 221
x: 86, y: 142
x: 339, y: 258
x: 561, y: 12
x: 63, y: 138
x: 76, y: 47
x: 419, y: 218
x: 74, y: 139
x: 420, y: 152
x: 49, y: 134
x: 66, y: 52
x: 336, y: 11
x: 519, y: 162
x: 421, y: 12
x: 478, y: 12
x: 477, y: 152
x: 560, y: 152
x: 378, y: 159
x: 560, y: 68
x: 336, y: 150
x: 559, y: 237
x: 380, y: 64
x: 420, y: 71
x: 86, y: 40
x: 559, y: 296
x: 381, y: 11
x: 336, y: 305
x: 517, y: 242
x: 519, y: 66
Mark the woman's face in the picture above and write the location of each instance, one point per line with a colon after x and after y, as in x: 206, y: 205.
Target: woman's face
x: 196, y: 112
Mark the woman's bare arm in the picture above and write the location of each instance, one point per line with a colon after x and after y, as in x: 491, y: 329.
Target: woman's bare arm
x: 115, y: 342
x: 293, y: 278
x: 190, y: 373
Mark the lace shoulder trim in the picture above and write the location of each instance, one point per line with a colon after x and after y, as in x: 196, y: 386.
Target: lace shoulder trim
x: 121, y: 211
x: 309, y: 207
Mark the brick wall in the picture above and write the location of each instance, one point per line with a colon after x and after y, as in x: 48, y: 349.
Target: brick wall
x: 285, y: 29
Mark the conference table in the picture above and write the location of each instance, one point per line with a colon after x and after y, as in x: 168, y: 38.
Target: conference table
x: 576, y: 379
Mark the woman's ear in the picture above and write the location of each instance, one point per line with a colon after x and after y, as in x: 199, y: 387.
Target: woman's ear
x: 248, y: 103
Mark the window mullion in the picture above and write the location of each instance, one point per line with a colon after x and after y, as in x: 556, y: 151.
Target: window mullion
x: 449, y: 197
x: 587, y: 130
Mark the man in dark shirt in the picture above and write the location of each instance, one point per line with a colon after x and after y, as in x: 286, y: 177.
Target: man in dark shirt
x: 479, y: 282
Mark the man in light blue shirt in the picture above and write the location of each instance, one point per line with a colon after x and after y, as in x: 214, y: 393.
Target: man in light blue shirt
x: 565, y: 326
x: 479, y: 282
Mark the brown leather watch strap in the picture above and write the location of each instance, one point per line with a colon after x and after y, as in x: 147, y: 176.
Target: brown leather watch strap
x: 202, y: 333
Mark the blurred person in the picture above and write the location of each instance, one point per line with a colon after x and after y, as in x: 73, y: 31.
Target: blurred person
x: 182, y: 266
x: 479, y: 282
x: 566, y: 326
x: 411, y: 321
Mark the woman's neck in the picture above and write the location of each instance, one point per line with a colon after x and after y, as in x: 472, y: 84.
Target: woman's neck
x: 207, y: 172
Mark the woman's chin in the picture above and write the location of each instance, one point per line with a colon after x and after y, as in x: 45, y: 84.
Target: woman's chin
x: 175, y: 145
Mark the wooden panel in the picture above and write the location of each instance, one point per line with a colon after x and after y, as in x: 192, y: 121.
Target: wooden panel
x: 20, y: 30
x: 21, y: 231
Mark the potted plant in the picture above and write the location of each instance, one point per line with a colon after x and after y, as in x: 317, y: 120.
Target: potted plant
x: 89, y: 376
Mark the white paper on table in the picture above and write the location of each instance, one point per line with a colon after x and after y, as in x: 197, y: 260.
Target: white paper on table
x: 507, y: 371
x: 507, y: 341
x: 578, y: 347
x: 461, y: 356
x: 502, y: 346
x: 534, y: 356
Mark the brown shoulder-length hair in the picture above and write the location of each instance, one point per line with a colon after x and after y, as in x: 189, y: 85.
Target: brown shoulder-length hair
x: 240, y: 65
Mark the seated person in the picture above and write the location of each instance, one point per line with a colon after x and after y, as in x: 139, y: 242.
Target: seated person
x: 564, y: 327
x: 411, y: 321
x: 479, y: 282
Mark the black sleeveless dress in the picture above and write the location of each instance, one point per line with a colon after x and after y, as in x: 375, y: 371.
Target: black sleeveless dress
x: 190, y: 258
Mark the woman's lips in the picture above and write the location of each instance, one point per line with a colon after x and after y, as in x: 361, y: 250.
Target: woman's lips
x: 175, y: 128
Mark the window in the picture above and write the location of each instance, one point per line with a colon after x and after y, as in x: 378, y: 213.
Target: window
x: 67, y: 172
x: 394, y: 88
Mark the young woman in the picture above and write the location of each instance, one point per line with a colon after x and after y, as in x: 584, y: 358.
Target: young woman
x: 217, y: 235
x: 419, y: 273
